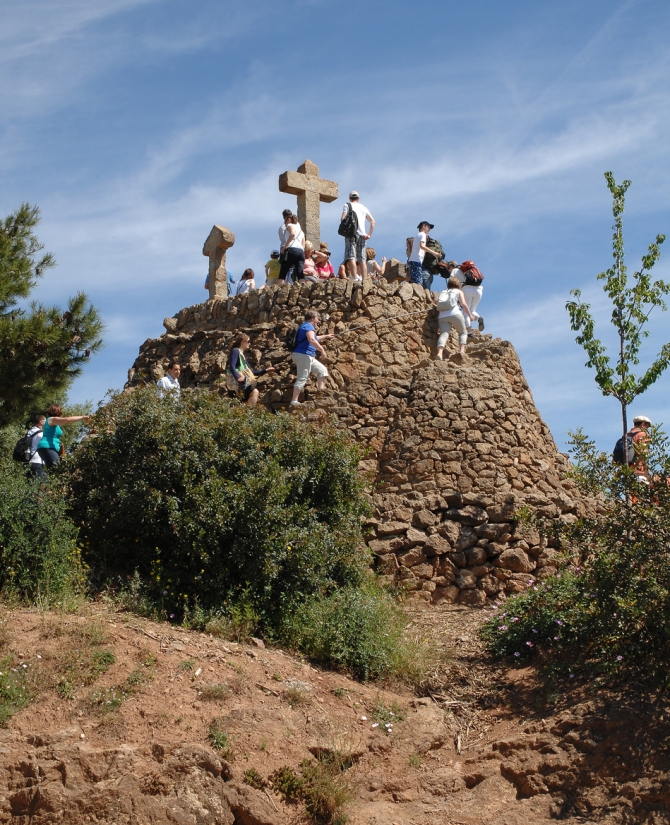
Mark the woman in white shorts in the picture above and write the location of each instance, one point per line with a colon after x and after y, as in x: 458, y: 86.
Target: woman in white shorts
x: 304, y: 355
x: 453, y: 309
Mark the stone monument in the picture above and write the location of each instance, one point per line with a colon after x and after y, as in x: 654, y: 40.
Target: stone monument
x: 311, y: 190
x: 453, y: 449
x: 219, y: 241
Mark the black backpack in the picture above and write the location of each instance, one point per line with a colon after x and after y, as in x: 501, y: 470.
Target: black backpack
x: 291, y: 339
x: 23, y: 449
x: 430, y: 262
x: 618, y: 455
x: 348, y: 227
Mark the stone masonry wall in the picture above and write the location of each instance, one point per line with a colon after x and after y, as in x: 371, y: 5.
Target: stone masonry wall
x: 454, y: 448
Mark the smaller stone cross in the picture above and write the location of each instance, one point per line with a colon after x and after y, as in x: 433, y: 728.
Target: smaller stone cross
x: 311, y: 190
x: 220, y: 239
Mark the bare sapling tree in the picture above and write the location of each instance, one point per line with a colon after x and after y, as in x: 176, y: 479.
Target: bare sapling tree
x: 632, y: 305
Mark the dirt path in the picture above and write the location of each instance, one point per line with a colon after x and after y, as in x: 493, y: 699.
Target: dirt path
x: 126, y: 715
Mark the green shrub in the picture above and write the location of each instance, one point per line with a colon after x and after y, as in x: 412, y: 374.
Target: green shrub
x: 321, y: 786
x: 361, y: 629
x: 218, y: 505
x: 39, y: 556
x: 609, y: 611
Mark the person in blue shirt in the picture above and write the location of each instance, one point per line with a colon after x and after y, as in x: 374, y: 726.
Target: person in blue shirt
x: 49, y: 447
x: 304, y: 355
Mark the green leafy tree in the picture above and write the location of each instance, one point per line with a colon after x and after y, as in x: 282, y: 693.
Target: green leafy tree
x: 632, y: 305
x: 42, y: 349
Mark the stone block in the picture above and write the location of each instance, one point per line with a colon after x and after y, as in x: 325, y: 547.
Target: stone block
x: 423, y: 519
x: 490, y: 585
x: 466, y: 579
x: 445, y: 595
x: 414, y: 537
x: 436, y: 545
x: 388, y: 564
x: 475, y: 556
x: 445, y: 567
x: 390, y: 528
x: 473, y: 597
x: 412, y: 557
x: 458, y: 559
x: 516, y: 560
x: 450, y: 530
x: 466, y: 539
x: 423, y: 571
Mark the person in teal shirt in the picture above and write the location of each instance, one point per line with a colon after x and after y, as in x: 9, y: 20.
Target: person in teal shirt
x: 49, y: 447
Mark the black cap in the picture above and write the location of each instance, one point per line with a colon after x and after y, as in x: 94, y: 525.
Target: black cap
x: 421, y: 223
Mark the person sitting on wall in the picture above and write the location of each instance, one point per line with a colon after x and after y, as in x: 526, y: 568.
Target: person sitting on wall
x: 373, y: 268
x: 324, y: 268
x: 170, y: 381
x: 304, y: 355
x: 247, y: 282
x: 240, y: 378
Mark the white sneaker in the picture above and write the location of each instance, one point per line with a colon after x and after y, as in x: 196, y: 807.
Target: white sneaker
x: 295, y: 404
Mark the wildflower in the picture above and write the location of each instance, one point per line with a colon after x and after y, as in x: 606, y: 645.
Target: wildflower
x: 619, y: 658
x: 375, y: 724
x: 517, y: 653
x: 530, y: 644
x: 515, y: 619
x: 503, y: 627
x: 556, y: 638
x: 558, y: 621
x: 172, y: 615
x: 534, y: 631
x: 364, y: 718
x: 572, y: 675
x: 38, y: 656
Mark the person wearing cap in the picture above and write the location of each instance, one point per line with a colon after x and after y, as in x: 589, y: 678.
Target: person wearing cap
x: 354, y: 248
x: 640, y: 433
x: 324, y: 268
x: 417, y: 274
x: 272, y: 267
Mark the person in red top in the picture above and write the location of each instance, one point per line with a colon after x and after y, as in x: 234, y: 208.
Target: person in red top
x: 640, y: 433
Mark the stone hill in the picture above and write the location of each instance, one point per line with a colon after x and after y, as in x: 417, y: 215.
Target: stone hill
x: 454, y: 448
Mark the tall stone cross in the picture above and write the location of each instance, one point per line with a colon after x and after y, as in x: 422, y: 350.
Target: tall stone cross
x: 219, y: 241
x: 311, y: 190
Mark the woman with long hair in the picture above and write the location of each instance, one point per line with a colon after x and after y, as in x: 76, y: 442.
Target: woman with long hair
x: 240, y: 378
x: 293, y: 250
x: 247, y: 282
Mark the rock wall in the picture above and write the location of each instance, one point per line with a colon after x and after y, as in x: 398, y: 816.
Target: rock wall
x: 454, y: 448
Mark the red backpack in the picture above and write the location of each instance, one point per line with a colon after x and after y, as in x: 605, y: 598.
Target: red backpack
x: 473, y: 277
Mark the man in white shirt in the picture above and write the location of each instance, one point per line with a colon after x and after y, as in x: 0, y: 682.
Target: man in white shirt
x: 417, y: 274
x: 170, y: 382
x: 354, y: 248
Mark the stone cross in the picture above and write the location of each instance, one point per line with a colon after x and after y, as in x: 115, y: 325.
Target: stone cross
x: 220, y: 239
x: 310, y: 189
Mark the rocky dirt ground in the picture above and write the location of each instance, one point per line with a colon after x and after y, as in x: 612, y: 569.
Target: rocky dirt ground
x: 125, y: 715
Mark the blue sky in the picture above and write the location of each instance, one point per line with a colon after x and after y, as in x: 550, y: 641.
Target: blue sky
x: 137, y: 124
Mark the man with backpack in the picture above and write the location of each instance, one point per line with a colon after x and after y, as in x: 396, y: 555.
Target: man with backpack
x: 419, y: 272
x: 352, y: 222
x: 634, y: 453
